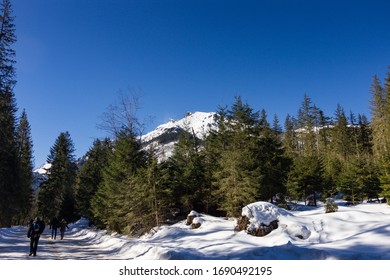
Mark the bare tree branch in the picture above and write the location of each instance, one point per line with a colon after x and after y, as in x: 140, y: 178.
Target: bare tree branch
x: 123, y: 116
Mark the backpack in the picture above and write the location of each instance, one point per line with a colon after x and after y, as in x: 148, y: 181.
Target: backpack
x: 35, y: 227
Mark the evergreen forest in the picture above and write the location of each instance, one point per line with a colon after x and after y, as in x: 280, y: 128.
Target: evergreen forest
x: 125, y: 188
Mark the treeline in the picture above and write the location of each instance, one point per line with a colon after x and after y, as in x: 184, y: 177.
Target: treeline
x: 125, y: 188
x: 15, y: 134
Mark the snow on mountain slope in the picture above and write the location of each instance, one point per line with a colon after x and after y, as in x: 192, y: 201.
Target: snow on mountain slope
x: 200, y: 122
x: 40, y: 175
x: 43, y: 169
x: 164, y: 137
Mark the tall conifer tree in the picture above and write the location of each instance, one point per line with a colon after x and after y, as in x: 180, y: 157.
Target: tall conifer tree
x: 90, y: 176
x: 385, y: 163
x: 9, y: 181
x: 25, y: 151
x: 237, y: 179
x: 191, y: 187
x: 56, y: 197
x: 378, y: 120
x: 114, y: 202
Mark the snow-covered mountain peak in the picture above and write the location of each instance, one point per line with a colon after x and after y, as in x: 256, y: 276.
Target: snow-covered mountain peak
x: 165, y: 136
x: 40, y: 175
x: 43, y: 169
x: 199, y: 122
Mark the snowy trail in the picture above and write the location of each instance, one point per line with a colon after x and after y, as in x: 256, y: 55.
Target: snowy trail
x: 359, y: 232
x: 14, y: 245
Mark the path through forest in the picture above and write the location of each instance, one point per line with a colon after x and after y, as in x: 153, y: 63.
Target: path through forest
x: 77, y: 244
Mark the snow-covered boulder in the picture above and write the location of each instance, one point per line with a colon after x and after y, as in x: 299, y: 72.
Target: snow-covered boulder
x: 259, y: 218
x: 191, y: 216
x: 197, y: 222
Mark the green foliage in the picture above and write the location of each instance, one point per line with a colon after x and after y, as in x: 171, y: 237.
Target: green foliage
x: 152, y: 206
x: 271, y: 162
x: 56, y: 197
x: 190, y: 184
x: 331, y: 206
x: 342, y: 136
x: 10, y: 186
x: 90, y: 176
x: 306, y: 177
x: 112, y: 204
x: 236, y: 182
x: 25, y: 150
x: 384, y: 179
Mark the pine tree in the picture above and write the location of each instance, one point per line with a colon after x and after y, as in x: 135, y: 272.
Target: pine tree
x: 307, y: 131
x: 90, y: 176
x: 385, y: 163
x: 272, y: 164
x: 359, y: 180
x: 330, y: 162
x: 380, y: 128
x: 154, y: 197
x: 378, y: 120
x: 290, y: 138
x: 306, y: 178
x: 25, y: 150
x: 364, y: 135
x: 56, y: 197
x: 9, y: 181
x: 237, y: 180
x: 342, y: 136
x: 190, y: 186
x: 114, y: 202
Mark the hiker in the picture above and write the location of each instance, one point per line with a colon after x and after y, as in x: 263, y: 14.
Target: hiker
x: 63, y: 225
x: 34, y: 232
x: 54, y: 224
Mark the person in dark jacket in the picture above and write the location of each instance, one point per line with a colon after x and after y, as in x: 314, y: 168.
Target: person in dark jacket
x: 34, y: 233
x: 54, y: 224
x: 63, y: 226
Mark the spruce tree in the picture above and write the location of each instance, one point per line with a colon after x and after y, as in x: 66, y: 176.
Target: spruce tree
x: 90, y: 176
x: 306, y: 178
x: 306, y: 126
x: 385, y: 164
x: 271, y: 159
x: 190, y: 186
x: 342, y: 135
x: 364, y: 135
x: 237, y: 180
x: 9, y: 174
x: 290, y: 138
x: 358, y: 180
x: 56, y: 197
x: 153, y: 198
x: 25, y: 151
x: 114, y: 202
x: 378, y: 120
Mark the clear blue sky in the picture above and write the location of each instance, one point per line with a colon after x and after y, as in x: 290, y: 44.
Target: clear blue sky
x: 74, y: 56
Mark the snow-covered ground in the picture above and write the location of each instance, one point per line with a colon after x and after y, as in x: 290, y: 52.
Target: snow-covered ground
x: 359, y: 232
